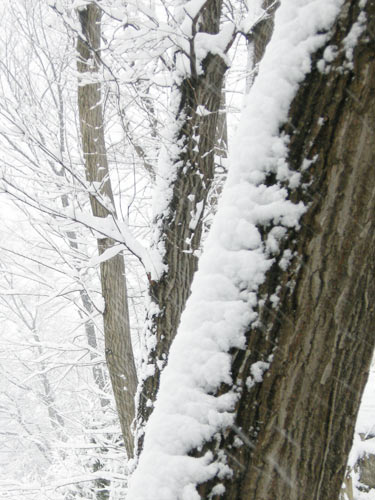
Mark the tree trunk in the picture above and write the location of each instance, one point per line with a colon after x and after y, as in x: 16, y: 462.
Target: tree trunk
x: 118, y: 347
x: 262, y: 32
x: 181, y: 226
x: 258, y: 39
x: 296, y: 426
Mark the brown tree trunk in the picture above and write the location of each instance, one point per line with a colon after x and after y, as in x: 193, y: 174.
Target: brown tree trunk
x: 118, y: 347
x: 262, y: 32
x: 258, y: 39
x: 296, y: 426
x: 180, y: 234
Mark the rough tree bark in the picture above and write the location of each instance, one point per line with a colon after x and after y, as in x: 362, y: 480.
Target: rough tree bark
x: 261, y: 34
x: 118, y: 347
x: 195, y: 172
x: 258, y: 38
x: 296, y: 426
x: 202, y: 137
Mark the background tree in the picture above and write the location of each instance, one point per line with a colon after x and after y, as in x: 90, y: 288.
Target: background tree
x: 118, y: 346
x: 49, y: 266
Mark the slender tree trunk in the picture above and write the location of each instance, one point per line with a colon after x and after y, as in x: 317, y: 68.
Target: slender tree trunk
x: 98, y: 374
x: 87, y: 309
x: 262, y: 32
x: 118, y: 347
x: 296, y: 426
x: 90, y: 330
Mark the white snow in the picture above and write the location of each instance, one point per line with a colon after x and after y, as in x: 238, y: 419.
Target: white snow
x: 219, y: 489
x: 365, y: 421
x: 195, y: 216
x: 254, y: 15
x: 106, y: 255
x: 330, y: 53
x: 348, y: 44
x: 202, y: 111
x: 351, y: 40
x: 306, y: 163
x: 233, y: 265
x: 284, y: 262
x: 206, y: 43
x: 168, y: 165
x: 110, y: 227
x: 365, y: 424
x: 257, y: 369
x: 364, y: 442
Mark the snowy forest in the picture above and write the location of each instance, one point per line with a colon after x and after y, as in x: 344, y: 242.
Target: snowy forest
x: 187, y: 250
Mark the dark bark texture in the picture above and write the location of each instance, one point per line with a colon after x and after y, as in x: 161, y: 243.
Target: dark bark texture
x: 195, y: 166
x: 118, y: 347
x: 296, y: 426
x: 259, y: 37
x: 262, y: 31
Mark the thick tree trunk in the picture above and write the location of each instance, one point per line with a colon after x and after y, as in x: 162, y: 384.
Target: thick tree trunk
x: 181, y: 226
x: 296, y: 426
x: 118, y: 347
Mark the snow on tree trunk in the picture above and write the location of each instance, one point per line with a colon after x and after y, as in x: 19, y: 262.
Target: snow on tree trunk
x: 264, y: 379
x: 185, y: 175
x: 118, y: 347
x: 360, y: 475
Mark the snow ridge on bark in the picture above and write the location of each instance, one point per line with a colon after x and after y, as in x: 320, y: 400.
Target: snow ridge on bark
x: 233, y: 265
